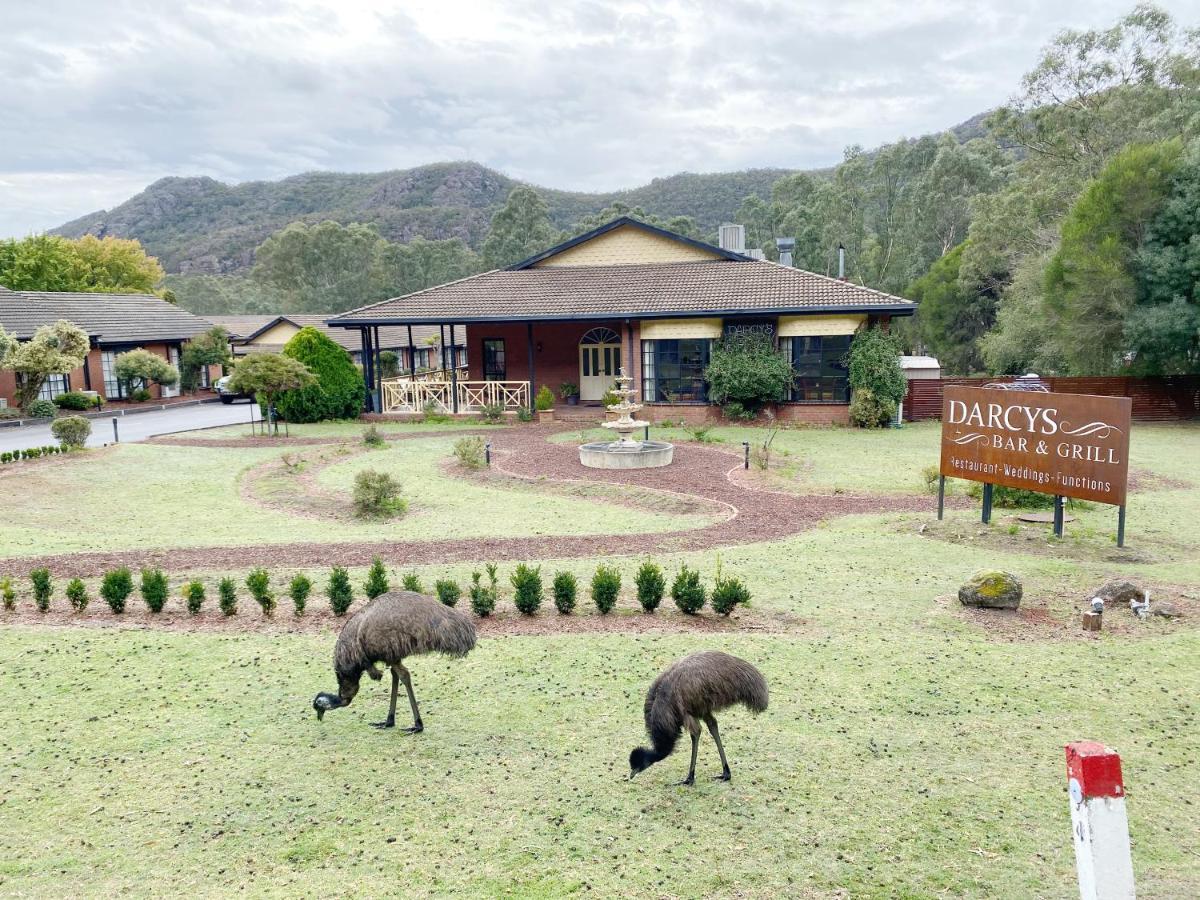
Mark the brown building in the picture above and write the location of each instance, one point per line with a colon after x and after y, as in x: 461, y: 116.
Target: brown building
x: 114, y: 323
x: 631, y: 295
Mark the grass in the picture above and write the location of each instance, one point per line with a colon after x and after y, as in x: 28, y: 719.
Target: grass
x: 909, y: 750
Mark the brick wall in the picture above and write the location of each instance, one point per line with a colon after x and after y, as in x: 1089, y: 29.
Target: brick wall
x: 786, y: 413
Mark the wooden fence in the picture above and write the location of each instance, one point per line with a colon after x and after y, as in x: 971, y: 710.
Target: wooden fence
x: 402, y: 395
x: 1154, y: 399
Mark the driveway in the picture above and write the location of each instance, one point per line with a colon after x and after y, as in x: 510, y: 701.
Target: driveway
x: 135, y: 427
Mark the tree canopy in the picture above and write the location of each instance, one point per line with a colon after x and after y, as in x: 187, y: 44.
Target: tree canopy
x: 268, y: 375
x: 338, y: 390
x: 519, y: 229
x: 88, y: 264
x: 53, y: 350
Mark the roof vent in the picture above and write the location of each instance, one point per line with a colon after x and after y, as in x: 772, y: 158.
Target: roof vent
x: 786, y: 246
x: 732, y: 237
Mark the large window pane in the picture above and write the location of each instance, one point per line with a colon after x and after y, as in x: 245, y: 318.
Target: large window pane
x: 495, y: 367
x: 819, y: 362
x: 673, y: 371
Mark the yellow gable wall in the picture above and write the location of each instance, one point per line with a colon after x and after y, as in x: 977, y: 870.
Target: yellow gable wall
x: 628, y: 246
x: 275, y: 337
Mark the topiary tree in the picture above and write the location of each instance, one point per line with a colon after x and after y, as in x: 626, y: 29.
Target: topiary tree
x: 338, y: 391
x: 341, y: 594
x: 377, y: 580
x: 209, y: 348
x: 71, y: 431
x: 154, y: 589
x: 687, y: 591
x: 298, y: 589
x: 874, y: 363
x: 606, y: 585
x: 447, y: 590
x: 115, y: 588
x: 268, y: 376
x: 193, y: 596
x: 258, y: 582
x: 227, y: 596
x: 527, y: 587
x: 564, y: 589
x: 650, y: 585
x: 43, y: 588
x: 140, y: 366
x: 53, y: 350
x: 77, y: 594
x: 746, y: 373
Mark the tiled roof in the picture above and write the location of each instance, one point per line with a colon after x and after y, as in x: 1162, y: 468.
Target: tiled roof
x: 390, y: 337
x: 240, y: 326
x: 719, y: 287
x: 107, y: 318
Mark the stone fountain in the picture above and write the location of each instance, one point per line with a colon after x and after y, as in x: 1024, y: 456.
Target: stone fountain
x: 625, y: 452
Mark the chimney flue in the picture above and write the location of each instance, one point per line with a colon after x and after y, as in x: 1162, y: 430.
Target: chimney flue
x: 841, y: 262
x: 786, y: 246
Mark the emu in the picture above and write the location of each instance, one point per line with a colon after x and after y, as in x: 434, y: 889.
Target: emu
x: 688, y: 692
x: 388, y: 629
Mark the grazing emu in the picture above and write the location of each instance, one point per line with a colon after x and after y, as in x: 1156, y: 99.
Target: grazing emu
x: 388, y: 629
x: 690, y: 691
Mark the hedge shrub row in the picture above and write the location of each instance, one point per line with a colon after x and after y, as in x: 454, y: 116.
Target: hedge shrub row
x: 9, y: 456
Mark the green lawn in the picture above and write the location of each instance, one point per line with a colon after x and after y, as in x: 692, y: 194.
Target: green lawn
x: 910, y: 749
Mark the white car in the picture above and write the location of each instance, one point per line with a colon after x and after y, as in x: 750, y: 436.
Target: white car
x: 227, y: 396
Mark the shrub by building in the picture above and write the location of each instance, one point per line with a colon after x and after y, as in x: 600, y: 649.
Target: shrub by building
x: 338, y: 392
x: 469, y: 452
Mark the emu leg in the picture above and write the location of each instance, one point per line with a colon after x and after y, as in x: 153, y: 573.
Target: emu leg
x: 417, y: 726
x: 694, y: 728
x: 725, y: 775
x: 390, y: 721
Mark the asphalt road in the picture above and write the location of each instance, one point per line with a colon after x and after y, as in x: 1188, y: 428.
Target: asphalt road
x: 136, y: 427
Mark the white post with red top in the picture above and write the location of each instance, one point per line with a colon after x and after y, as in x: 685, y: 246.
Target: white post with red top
x: 1098, y: 819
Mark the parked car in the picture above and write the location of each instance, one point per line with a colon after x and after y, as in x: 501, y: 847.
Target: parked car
x: 227, y: 395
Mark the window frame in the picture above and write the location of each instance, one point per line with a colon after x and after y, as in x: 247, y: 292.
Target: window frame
x: 830, y: 383
x: 488, y: 358
x: 657, y: 361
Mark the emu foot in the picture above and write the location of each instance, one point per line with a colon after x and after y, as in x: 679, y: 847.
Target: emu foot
x: 688, y: 782
x: 724, y: 776
x: 387, y: 723
x: 414, y: 729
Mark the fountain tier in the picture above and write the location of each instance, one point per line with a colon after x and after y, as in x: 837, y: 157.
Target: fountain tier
x: 625, y: 452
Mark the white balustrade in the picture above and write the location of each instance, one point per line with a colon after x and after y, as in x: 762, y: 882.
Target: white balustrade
x: 401, y: 395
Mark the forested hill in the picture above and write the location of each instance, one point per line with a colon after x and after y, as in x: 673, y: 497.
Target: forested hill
x: 199, y: 225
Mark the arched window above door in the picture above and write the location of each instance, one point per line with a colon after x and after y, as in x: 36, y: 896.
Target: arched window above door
x: 601, y: 336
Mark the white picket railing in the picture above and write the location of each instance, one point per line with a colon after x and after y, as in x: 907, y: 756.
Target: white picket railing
x: 400, y: 395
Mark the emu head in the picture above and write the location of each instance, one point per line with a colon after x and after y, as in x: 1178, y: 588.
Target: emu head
x: 641, y: 759
x: 325, y: 701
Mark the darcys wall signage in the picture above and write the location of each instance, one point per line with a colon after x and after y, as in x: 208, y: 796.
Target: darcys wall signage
x: 1073, y: 445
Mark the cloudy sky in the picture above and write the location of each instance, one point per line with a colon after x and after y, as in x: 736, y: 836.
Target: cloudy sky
x: 100, y: 99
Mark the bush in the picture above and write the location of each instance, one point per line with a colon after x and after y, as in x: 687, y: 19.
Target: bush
x: 410, y: 582
x: 527, y: 587
x: 930, y: 476
x: 687, y: 591
x: 870, y: 411
x: 75, y: 400
x: 746, y: 373
x: 341, y: 595
x: 565, y: 587
x: 40, y: 409
x: 43, y: 588
x: 193, y: 596
x: 568, y: 389
x: 141, y: 395
x: 227, y: 596
x: 448, y: 591
x: 610, y: 398
x: 491, y: 412
x: 433, y: 414
x: 606, y: 586
x: 71, y: 432
x: 154, y: 589
x: 483, y: 599
x: 469, y: 451
x: 142, y: 367
x: 372, y: 438
x: 389, y: 364
x: 115, y: 588
x: 1012, y: 498
x: 650, y: 586
x: 7, y: 594
x: 377, y: 495
x: 298, y: 589
x: 377, y: 580
x: 701, y: 433
x: 338, y: 392
x: 258, y: 582
x: 77, y: 594
x: 728, y: 593
x: 524, y: 414
x: 544, y: 400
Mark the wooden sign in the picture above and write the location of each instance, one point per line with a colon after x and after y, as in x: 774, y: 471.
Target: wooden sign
x: 1071, y: 445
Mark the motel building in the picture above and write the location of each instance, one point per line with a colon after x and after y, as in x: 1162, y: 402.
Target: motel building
x: 631, y: 295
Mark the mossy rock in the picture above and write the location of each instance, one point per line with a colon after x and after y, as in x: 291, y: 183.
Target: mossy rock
x: 991, y: 590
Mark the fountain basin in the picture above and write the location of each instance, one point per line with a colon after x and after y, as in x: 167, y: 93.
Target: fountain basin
x: 617, y: 455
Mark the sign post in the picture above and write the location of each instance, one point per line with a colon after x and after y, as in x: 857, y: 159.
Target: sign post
x: 1067, y: 445
x: 1101, y: 828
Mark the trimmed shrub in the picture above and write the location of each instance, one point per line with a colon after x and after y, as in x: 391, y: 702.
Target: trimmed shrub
x: 341, y: 595
x: 372, y: 438
x: 258, y: 582
x: 867, y: 410
x: 524, y: 414
x: 377, y: 580
x: 141, y: 395
x: 650, y: 585
x: 75, y: 400
x: 483, y: 600
x: 606, y: 586
x: 544, y: 400
x: 40, y: 409
x: 727, y: 593
x: 527, y: 587
x: 7, y: 594
x: 410, y: 582
x: 115, y: 588
x: 377, y: 495
x: 43, y: 588
x: 1011, y: 498
x: 744, y: 374
x: 141, y: 366
x: 227, y: 596
x: 448, y: 591
x: 565, y: 588
x: 77, y: 594
x: 298, y: 589
x: 687, y: 591
x: 338, y: 392
x: 491, y: 412
x: 193, y: 596
x: 469, y: 452
x: 154, y: 589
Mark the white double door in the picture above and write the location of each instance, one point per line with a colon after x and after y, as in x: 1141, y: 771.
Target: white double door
x: 599, y: 365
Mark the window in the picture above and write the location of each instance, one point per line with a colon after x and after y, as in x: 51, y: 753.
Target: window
x: 819, y: 362
x: 112, y: 387
x: 495, y: 368
x: 53, y: 386
x: 673, y: 370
